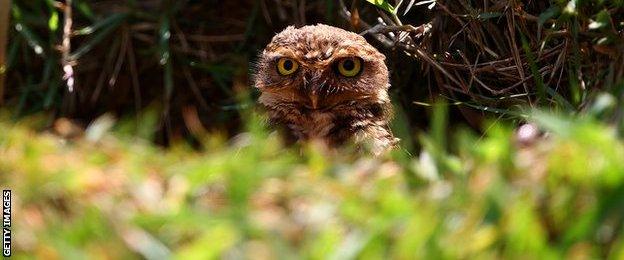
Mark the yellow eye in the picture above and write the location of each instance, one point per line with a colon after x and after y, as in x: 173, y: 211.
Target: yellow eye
x: 349, y: 67
x: 286, y: 66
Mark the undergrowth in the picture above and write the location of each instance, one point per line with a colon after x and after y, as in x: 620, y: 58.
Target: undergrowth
x: 191, y: 58
x: 107, y: 193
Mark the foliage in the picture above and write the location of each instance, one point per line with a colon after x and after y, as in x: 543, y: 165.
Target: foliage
x: 191, y: 58
x: 112, y: 195
x: 126, y: 56
x: 505, y: 54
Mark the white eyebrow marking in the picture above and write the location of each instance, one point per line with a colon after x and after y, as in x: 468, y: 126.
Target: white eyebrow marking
x: 312, y: 55
x: 329, y: 52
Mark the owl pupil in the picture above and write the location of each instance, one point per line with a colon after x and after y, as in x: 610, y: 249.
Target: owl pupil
x: 288, y: 65
x: 348, y: 65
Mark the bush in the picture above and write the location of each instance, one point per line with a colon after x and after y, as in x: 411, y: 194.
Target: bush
x: 119, y: 197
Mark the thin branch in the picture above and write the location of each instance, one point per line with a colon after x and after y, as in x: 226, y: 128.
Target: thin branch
x: 66, y: 47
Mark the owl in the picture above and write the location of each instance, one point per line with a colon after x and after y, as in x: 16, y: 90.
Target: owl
x: 323, y: 83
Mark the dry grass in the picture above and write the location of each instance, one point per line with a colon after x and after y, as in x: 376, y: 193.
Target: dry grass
x: 533, y: 53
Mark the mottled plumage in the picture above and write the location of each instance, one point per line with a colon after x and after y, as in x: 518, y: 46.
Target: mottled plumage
x: 322, y: 82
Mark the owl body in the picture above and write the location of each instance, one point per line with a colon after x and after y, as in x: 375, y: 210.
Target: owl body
x: 324, y: 83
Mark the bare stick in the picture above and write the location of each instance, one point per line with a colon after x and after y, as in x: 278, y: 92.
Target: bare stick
x: 66, y: 47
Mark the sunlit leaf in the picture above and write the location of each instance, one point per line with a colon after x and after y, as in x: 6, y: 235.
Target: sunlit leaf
x: 383, y: 4
x: 53, y: 21
x: 603, y: 19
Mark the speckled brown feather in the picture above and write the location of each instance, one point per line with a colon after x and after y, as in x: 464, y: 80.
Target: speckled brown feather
x: 355, y: 109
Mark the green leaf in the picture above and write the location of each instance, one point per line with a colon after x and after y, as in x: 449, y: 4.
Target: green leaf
x: 112, y: 23
x: 603, y: 19
x: 104, y: 23
x: 571, y: 8
x: 537, y: 77
x: 383, y: 4
x: 53, y: 22
x: 164, y: 53
x: 34, y: 41
x: 84, y: 9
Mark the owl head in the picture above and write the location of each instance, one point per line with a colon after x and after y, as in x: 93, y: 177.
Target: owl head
x: 320, y: 66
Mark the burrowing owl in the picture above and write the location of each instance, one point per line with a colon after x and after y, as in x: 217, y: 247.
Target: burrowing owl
x: 322, y: 82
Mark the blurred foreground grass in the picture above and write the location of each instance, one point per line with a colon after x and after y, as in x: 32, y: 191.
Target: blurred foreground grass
x: 107, y: 195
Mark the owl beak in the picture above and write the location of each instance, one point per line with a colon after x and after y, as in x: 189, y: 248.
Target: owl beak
x: 314, y: 98
x: 310, y: 81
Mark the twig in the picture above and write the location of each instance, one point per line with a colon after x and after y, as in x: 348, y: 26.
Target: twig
x: 68, y: 68
x: 416, y: 31
x: 346, y: 14
x: 125, y: 39
x: 134, y: 72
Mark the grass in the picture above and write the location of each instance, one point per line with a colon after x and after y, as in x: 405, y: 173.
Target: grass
x: 109, y: 194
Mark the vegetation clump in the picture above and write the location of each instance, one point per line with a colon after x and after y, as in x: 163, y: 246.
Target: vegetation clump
x: 118, y: 198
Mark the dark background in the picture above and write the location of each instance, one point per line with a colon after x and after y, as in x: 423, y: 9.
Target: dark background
x: 190, y: 60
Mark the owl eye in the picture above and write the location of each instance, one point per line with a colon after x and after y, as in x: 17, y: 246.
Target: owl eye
x: 349, y: 67
x: 287, y: 66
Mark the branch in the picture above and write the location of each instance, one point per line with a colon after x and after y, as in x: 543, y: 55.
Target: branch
x: 66, y: 46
